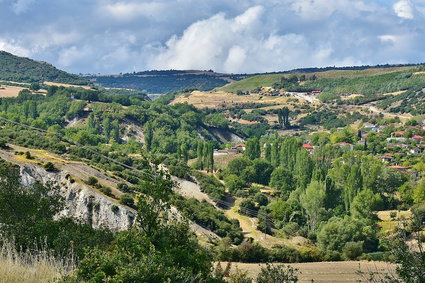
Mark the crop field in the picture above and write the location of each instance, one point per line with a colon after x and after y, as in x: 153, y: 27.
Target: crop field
x: 10, y: 91
x: 342, y: 271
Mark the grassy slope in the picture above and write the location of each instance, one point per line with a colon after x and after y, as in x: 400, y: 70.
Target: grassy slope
x: 268, y: 80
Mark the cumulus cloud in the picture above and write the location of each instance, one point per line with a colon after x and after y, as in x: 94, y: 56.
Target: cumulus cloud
x: 240, y: 44
x: 13, y: 48
x: 404, y: 9
x: 112, y: 36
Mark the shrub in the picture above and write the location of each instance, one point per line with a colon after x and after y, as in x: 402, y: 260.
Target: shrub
x: 277, y: 274
x: 106, y: 191
x: 115, y: 208
x: 50, y: 167
x: 127, y: 199
x: 92, y: 181
x: 352, y: 250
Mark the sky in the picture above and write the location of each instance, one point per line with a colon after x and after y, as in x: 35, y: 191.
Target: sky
x: 232, y: 36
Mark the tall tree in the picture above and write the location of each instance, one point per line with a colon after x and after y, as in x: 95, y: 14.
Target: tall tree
x: 107, y: 128
x: 148, y: 132
x: 312, y: 201
x: 253, y: 149
x: 200, y: 154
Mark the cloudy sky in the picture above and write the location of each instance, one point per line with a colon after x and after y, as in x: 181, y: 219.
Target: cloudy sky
x: 235, y: 36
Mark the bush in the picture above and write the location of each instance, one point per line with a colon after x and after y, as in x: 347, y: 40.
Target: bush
x: 50, y: 167
x: 352, y: 250
x: 277, y: 274
x: 105, y: 190
x: 127, y: 199
x: 3, y: 144
x: 115, y: 208
x: 92, y: 181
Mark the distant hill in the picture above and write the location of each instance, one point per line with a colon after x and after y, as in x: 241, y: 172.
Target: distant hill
x: 21, y: 69
x: 166, y: 81
x: 266, y: 80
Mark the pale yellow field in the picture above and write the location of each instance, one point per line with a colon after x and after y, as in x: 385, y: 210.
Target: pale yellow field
x: 221, y: 99
x: 342, y: 271
x: 66, y: 85
x: 10, y: 91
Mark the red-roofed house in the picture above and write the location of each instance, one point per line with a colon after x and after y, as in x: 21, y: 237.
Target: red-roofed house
x: 398, y: 167
x: 308, y: 146
x: 417, y: 137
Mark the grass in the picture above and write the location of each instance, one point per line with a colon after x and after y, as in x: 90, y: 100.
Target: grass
x: 268, y: 80
x: 39, y: 266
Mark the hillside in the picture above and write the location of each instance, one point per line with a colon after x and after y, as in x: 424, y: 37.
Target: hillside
x: 20, y: 69
x: 156, y: 82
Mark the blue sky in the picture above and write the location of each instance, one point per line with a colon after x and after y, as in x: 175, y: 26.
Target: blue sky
x: 234, y: 36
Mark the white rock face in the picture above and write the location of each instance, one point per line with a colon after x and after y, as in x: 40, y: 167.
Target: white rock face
x: 81, y: 202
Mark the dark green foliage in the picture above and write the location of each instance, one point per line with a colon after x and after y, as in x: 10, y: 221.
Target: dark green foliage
x: 209, y: 217
x: 92, y: 181
x: 50, y: 167
x: 26, y: 214
x: 253, y: 149
x: 277, y: 274
x: 21, y: 69
x: 210, y: 185
x: 127, y: 199
x: 135, y: 255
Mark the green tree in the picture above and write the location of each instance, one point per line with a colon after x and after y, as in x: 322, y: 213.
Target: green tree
x: 148, y: 132
x: 107, y: 128
x: 282, y: 179
x: 253, y: 149
x: 277, y: 274
x: 365, y: 203
x: 303, y: 168
x: 313, y: 201
x: 115, y: 132
x: 200, y: 154
x: 157, y: 240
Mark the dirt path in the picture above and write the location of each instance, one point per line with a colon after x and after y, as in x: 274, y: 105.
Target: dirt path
x: 375, y: 109
x: 190, y: 189
x: 249, y: 227
x: 342, y: 271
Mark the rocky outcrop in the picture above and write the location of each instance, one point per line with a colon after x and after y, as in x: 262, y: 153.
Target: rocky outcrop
x: 81, y: 202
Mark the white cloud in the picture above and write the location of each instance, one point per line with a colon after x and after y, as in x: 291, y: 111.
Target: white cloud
x: 240, y: 44
x: 404, y: 9
x: 21, y: 6
x: 126, y: 11
x: 14, y: 48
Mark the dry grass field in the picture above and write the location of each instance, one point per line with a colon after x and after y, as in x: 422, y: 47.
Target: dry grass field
x: 66, y: 85
x: 342, y: 271
x: 221, y: 99
x: 30, y: 267
x: 10, y: 91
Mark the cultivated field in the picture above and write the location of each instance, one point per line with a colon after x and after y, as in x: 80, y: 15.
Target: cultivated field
x: 221, y: 99
x: 66, y: 85
x: 342, y: 271
x: 10, y: 91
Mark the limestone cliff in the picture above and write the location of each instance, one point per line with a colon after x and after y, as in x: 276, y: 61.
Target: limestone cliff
x: 81, y: 201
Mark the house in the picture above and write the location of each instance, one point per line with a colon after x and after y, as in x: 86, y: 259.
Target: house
x: 308, y: 146
x: 417, y: 138
x: 241, y: 147
x: 398, y: 167
x: 398, y: 139
x: 399, y: 133
x: 386, y: 158
x: 416, y: 150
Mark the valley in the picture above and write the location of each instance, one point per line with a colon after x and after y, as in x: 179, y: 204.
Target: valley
x: 312, y: 169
